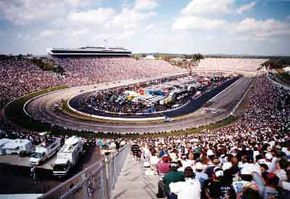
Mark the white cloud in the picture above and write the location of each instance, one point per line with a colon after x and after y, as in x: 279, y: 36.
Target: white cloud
x: 269, y: 28
x: 126, y: 35
x: 23, y: 12
x: 79, y: 33
x: 91, y: 26
x: 92, y: 17
x: 48, y: 33
x: 150, y: 27
x: 130, y: 18
x: 208, y: 7
x: 210, y: 37
x: 74, y: 23
x: 193, y: 22
x: 203, y: 15
x: 246, y: 7
x: 146, y: 5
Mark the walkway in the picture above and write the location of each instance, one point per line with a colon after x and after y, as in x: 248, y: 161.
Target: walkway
x: 135, y: 181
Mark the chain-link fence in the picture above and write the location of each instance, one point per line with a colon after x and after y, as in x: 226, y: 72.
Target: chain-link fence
x: 96, y: 181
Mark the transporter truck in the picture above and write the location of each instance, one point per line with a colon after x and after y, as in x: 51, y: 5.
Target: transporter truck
x: 68, y: 156
x: 45, y: 150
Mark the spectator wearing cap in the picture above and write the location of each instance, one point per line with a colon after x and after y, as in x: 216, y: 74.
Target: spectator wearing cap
x: 209, y: 170
x: 216, y: 188
x: 210, y: 155
x: 270, y: 161
x: 245, y: 180
x: 286, y: 150
x: 264, y: 168
x: 172, y: 176
x: 188, y: 189
x: 200, y: 174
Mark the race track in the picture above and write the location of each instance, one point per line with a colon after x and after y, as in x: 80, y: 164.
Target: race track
x: 218, y: 108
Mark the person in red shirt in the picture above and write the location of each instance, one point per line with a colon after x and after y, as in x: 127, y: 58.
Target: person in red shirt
x: 163, y: 166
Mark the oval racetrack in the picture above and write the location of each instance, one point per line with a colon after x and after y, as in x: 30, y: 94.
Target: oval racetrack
x: 220, y: 107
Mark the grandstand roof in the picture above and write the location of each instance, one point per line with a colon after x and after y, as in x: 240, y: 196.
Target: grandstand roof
x: 89, y: 51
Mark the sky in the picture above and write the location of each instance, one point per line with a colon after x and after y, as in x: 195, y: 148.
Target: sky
x: 247, y: 27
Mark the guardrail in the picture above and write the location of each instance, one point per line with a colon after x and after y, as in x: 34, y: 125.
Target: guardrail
x: 96, y: 181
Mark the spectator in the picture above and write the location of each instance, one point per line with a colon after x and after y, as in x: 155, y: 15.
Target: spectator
x: 188, y: 189
x: 172, y: 176
x: 216, y: 188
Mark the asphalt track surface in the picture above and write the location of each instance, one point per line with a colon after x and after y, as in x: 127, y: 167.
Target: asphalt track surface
x: 218, y: 108
x: 189, y: 106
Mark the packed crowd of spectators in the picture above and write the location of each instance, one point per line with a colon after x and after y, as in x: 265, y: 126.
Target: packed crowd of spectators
x: 19, y: 77
x: 230, y: 64
x: 22, y: 76
x: 89, y: 70
x: 247, y: 159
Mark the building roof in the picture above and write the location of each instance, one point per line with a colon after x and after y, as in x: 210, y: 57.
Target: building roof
x: 89, y: 51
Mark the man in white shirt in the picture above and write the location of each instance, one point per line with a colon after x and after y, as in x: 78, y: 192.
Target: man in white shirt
x: 188, y: 189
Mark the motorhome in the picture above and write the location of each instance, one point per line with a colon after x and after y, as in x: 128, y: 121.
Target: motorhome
x: 3, y: 141
x: 68, y: 156
x: 17, y: 146
x: 45, y: 150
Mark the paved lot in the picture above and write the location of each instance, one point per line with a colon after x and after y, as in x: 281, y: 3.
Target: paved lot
x: 24, y: 161
x: 15, y: 173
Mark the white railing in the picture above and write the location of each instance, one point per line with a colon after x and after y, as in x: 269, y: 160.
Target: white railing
x: 96, y: 181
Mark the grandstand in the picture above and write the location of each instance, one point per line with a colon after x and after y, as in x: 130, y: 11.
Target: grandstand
x: 230, y: 64
x: 89, y: 51
x: 257, y: 141
x: 89, y: 70
x: 82, y: 66
x: 19, y: 77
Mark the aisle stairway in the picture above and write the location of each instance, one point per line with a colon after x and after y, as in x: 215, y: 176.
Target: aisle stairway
x: 135, y: 182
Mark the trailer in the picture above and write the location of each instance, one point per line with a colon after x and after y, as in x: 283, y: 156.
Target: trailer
x: 45, y: 150
x: 18, y: 146
x: 3, y: 141
x: 68, y: 156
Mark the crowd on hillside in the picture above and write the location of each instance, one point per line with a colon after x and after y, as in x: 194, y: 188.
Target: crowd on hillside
x: 247, y: 159
x: 230, y: 64
x: 22, y: 76
x: 88, y: 70
x: 19, y: 77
